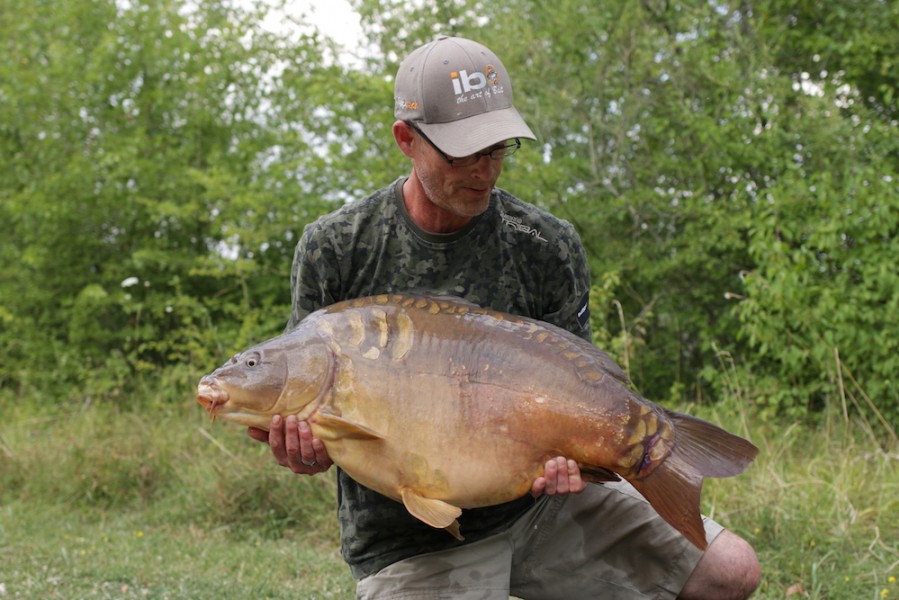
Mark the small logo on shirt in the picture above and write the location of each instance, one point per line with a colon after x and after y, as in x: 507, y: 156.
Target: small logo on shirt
x: 516, y: 224
x: 583, y: 311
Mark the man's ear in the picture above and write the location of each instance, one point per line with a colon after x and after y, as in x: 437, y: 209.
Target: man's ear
x: 403, y: 135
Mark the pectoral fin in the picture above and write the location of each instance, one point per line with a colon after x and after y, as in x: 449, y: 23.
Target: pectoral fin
x: 337, y: 427
x: 597, y: 474
x: 432, y: 511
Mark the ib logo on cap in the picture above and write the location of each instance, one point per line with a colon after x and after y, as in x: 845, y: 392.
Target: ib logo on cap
x: 463, y: 82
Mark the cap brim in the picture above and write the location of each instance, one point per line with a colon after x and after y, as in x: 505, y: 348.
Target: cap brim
x: 478, y: 132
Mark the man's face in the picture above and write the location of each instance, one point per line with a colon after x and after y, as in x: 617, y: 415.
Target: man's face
x: 462, y: 191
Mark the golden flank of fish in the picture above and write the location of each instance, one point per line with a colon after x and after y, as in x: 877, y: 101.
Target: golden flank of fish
x: 442, y: 405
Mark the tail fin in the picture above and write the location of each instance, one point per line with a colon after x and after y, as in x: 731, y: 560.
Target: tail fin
x: 711, y: 450
x: 701, y: 450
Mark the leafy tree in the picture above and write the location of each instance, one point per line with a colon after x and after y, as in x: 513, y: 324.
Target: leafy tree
x: 731, y: 167
x: 160, y: 159
x: 681, y: 138
x: 838, y: 44
x: 820, y: 301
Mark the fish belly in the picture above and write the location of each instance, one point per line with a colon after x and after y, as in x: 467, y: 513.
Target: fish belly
x: 468, y: 412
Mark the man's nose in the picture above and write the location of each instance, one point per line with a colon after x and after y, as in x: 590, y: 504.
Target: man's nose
x: 486, y: 167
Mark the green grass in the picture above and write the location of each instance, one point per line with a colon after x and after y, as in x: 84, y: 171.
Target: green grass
x: 56, y: 552
x: 821, y: 507
x: 154, y: 502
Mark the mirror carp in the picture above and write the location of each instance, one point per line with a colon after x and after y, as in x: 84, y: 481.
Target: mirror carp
x: 443, y: 405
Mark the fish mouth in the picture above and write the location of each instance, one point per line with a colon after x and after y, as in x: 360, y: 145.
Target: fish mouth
x: 211, y: 396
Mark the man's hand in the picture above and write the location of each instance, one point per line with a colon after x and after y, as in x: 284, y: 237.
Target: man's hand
x: 293, y: 445
x: 560, y: 476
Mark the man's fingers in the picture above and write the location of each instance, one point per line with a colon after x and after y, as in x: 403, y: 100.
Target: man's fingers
x: 560, y: 476
x: 293, y: 445
x: 321, y: 454
x: 539, y: 487
x: 276, y: 440
x: 305, y: 454
x: 551, y: 473
x: 576, y: 484
x: 562, y: 486
x: 307, y: 448
x: 260, y: 435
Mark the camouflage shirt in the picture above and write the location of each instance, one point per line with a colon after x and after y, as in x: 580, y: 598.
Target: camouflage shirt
x: 513, y: 258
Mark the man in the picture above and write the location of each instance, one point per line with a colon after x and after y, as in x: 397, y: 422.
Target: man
x: 447, y: 229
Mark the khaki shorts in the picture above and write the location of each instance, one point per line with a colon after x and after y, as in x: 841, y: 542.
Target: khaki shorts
x: 606, y: 542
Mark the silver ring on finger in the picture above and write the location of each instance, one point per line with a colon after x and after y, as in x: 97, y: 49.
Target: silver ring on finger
x: 309, y: 464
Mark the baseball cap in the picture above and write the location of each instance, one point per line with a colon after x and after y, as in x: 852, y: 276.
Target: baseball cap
x: 459, y: 94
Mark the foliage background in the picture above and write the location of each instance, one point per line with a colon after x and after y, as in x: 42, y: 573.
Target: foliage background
x: 731, y: 167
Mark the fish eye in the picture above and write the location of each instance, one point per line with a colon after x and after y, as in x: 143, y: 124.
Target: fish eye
x: 252, y: 360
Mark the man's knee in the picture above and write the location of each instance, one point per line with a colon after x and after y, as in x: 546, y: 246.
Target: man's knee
x: 728, y: 569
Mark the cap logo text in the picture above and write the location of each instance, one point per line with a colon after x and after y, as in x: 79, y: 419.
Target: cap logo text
x: 464, y: 82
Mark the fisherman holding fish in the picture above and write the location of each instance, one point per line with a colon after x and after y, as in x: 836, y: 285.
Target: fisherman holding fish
x: 447, y: 230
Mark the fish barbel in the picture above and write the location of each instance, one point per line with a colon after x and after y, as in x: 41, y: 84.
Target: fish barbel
x: 442, y: 405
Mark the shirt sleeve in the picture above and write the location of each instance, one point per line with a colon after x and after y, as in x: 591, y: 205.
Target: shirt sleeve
x: 570, y: 300
x: 311, y: 275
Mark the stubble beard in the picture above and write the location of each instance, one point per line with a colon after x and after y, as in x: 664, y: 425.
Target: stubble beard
x: 438, y: 196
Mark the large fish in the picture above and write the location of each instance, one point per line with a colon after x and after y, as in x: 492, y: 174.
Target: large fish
x: 442, y: 405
